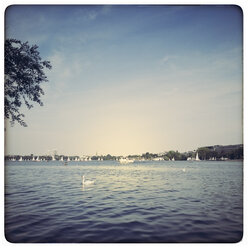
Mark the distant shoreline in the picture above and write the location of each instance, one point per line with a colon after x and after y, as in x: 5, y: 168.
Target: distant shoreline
x: 207, y: 153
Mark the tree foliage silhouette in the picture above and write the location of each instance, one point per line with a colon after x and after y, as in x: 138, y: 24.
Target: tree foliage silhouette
x: 24, y: 72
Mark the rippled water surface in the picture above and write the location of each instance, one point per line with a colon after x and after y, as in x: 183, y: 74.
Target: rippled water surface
x: 141, y: 202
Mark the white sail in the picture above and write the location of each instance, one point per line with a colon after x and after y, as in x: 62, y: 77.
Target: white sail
x: 197, y: 157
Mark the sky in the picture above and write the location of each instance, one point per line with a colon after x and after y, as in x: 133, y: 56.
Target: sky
x: 131, y: 79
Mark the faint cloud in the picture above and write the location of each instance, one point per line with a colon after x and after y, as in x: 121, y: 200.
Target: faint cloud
x: 66, y: 71
x: 92, y: 15
x: 165, y: 59
x: 106, y: 9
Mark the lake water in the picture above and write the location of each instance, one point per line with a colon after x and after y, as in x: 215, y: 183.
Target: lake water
x: 140, y: 202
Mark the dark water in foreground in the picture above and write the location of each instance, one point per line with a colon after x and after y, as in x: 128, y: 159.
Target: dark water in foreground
x: 140, y: 202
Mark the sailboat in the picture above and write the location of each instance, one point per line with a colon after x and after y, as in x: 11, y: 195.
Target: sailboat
x: 197, y: 157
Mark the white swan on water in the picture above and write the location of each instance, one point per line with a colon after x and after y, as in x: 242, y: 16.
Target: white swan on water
x: 87, y: 182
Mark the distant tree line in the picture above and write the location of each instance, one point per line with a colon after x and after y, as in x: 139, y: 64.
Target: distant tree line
x: 104, y: 157
x: 218, y: 152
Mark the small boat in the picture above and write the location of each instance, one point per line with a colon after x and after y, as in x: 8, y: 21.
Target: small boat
x: 197, y: 157
x: 190, y: 159
x: 158, y: 159
x: 125, y: 160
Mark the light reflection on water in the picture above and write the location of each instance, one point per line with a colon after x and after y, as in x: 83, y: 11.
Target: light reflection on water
x: 141, y: 202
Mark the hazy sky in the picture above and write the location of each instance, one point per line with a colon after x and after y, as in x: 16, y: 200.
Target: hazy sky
x: 131, y: 79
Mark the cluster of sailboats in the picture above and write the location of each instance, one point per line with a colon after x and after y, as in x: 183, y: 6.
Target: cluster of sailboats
x: 122, y: 160
x: 52, y: 158
x: 37, y: 159
x: 210, y: 159
x: 127, y: 160
x: 194, y: 159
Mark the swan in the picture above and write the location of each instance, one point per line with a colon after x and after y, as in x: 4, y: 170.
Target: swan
x: 87, y: 182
